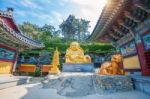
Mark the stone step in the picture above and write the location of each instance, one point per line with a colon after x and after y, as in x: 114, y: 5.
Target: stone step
x: 7, y: 81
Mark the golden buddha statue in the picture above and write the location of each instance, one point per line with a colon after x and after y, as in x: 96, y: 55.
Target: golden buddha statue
x: 75, y: 54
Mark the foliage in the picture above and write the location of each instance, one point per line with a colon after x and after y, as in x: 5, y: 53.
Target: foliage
x: 45, y: 34
x: 47, y: 28
x: 30, y: 30
x: 37, y: 72
x: 96, y: 48
x: 74, y: 29
x: 68, y: 27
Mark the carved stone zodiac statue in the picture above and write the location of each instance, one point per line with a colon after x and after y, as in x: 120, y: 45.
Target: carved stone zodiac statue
x: 112, y: 67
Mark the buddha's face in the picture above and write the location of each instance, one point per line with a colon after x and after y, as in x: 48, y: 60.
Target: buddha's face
x: 74, y: 46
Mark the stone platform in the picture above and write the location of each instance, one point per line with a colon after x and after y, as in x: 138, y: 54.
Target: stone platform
x: 141, y: 83
x: 7, y: 81
x: 82, y: 84
x: 80, y: 67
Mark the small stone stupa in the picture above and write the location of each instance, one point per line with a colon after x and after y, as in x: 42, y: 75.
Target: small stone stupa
x: 55, y: 63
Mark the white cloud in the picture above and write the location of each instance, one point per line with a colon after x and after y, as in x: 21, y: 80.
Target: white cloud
x: 47, y: 1
x: 41, y: 16
x: 30, y: 4
x: 49, y: 12
x: 44, y: 2
x: 89, y: 10
x: 63, y: 2
x: 44, y: 17
x: 57, y: 16
x: 20, y: 13
x: 13, y: 2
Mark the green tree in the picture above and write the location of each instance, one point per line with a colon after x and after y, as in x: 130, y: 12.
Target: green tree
x: 49, y: 29
x: 30, y: 30
x: 45, y: 34
x: 82, y: 30
x: 69, y: 27
x: 74, y: 29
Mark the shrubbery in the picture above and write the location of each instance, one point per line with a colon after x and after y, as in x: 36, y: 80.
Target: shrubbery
x: 97, y: 48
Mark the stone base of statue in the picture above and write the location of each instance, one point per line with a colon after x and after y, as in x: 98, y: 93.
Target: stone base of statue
x: 79, y: 84
x: 80, y: 67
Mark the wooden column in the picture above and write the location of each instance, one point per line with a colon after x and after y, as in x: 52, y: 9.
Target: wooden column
x: 15, y: 62
x: 141, y: 53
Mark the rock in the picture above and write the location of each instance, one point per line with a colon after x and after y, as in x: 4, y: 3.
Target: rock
x: 76, y: 86
x: 82, y: 84
x: 110, y: 84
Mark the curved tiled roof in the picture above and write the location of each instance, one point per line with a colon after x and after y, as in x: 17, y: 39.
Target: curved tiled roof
x: 8, y: 24
x: 109, y: 12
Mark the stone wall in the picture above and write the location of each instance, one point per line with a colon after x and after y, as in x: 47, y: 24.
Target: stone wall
x: 142, y: 83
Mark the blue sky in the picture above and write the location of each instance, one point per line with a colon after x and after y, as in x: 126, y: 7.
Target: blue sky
x: 53, y: 12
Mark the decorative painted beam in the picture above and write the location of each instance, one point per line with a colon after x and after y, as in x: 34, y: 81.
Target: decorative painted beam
x: 112, y: 35
x: 121, y: 23
x: 111, y: 38
x: 128, y: 15
x: 142, y: 7
x: 117, y: 30
x: 126, y: 27
x: 124, y: 39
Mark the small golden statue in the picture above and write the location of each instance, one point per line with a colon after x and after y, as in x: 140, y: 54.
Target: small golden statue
x: 112, y: 68
x: 55, y: 63
x: 75, y: 54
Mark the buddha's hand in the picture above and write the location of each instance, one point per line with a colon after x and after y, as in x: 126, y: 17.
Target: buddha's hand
x: 80, y: 57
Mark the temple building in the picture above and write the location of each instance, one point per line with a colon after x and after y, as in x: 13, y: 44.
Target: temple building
x: 126, y: 24
x: 12, y: 41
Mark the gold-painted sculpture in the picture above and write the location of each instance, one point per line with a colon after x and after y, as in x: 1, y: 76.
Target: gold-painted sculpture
x: 75, y: 54
x: 55, y: 63
x: 112, y: 68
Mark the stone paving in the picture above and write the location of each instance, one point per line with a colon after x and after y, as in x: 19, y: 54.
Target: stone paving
x: 75, y: 86
x: 36, y: 91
